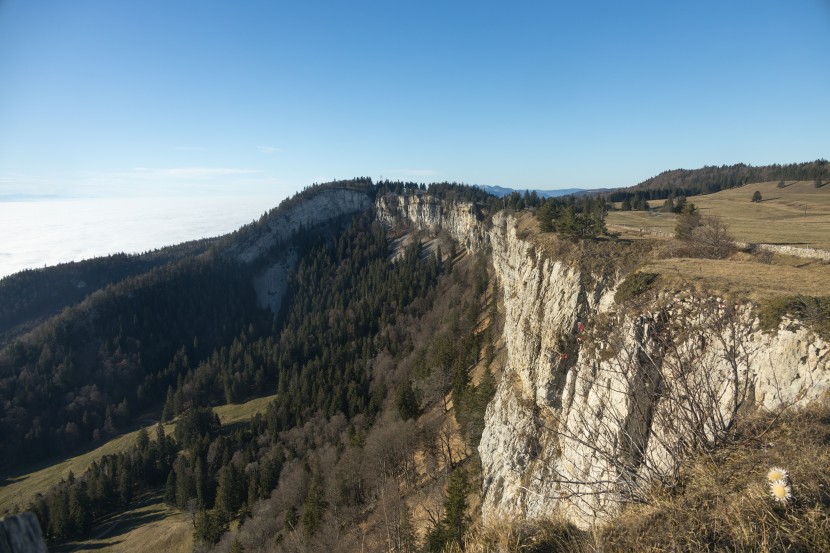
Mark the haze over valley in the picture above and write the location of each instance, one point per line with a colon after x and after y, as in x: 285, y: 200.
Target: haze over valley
x: 48, y: 232
x: 249, y: 303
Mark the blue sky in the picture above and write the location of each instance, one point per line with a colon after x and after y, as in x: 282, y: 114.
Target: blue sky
x: 101, y: 97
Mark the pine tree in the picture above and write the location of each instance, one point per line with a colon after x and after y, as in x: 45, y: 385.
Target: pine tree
x: 687, y: 222
x: 125, y: 484
x: 80, y: 511
x: 455, y: 507
x: 59, y: 521
x: 170, y: 489
x: 406, y: 401
x: 209, y: 526
x: 315, y: 507
x: 184, y: 486
x: 230, y: 491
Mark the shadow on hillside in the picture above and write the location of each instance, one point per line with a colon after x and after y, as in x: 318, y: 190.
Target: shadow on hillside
x: 105, y: 534
x: 126, y: 522
x: 19, y: 473
x: 83, y: 546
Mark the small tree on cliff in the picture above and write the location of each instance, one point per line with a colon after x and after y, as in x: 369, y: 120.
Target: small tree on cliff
x: 687, y: 222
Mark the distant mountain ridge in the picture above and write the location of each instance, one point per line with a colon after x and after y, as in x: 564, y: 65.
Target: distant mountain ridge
x: 710, y: 179
x: 501, y: 191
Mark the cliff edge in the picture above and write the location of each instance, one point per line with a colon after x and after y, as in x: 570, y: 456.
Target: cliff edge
x: 603, y: 392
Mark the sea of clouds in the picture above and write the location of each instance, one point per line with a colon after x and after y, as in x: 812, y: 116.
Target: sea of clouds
x: 40, y: 233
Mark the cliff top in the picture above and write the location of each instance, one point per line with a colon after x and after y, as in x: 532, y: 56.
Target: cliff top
x: 758, y: 277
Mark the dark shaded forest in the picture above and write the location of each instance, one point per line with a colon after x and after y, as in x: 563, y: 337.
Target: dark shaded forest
x: 31, y: 296
x: 352, y: 367
x: 89, y: 371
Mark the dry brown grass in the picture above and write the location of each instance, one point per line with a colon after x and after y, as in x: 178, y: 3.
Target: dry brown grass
x: 724, y: 503
x: 742, y: 276
x: 150, y: 528
x: 778, y: 219
x: 536, y: 537
x: 603, y: 256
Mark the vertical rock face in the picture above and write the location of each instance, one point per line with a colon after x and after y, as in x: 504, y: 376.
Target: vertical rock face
x: 271, y: 281
x: 590, y: 406
x: 461, y: 220
x: 21, y: 534
x: 324, y: 206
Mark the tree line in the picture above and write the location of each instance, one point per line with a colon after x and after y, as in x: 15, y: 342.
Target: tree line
x: 711, y: 179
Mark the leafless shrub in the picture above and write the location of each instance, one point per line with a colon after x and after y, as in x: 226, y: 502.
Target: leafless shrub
x: 667, y: 385
x: 711, y: 239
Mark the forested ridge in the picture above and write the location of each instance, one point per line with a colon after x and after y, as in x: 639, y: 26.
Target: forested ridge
x: 351, y: 369
x: 712, y: 178
x: 85, y: 374
x: 88, y: 372
x: 379, y: 360
x: 31, y: 296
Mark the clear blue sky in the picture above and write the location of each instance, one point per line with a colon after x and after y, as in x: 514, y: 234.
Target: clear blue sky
x: 115, y: 97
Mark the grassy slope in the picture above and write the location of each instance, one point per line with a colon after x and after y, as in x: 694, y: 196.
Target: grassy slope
x: 778, y: 219
x: 19, y: 489
x: 150, y: 527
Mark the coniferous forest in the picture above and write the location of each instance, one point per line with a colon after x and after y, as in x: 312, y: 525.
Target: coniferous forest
x: 346, y: 357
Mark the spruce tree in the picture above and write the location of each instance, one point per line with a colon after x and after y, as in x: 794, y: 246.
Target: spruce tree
x: 455, y: 507
x: 170, y: 489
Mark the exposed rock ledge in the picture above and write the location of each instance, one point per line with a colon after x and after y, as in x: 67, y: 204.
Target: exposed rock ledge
x: 271, y: 281
x: 324, y: 206
x: 21, y: 534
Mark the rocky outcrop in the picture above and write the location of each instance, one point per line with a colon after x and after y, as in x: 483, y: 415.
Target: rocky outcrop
x: 21, y: 534
x: 591, y: 404
x: 271, y: 281
x: 324, y: 206
x: 461, y: 220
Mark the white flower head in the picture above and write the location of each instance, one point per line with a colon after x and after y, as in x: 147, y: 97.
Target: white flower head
x: 781, y: 491
x: 777, y: 473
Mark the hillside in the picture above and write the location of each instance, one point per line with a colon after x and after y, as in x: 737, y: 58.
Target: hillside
x: 711, y: 179
x: 449, y: 369
x: 795, y: 215
x: 30, y: 297
x: 115, y: 353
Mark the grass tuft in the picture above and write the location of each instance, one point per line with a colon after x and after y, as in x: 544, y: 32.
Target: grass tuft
x: 725, y: 503
x: 635, y: 284
x: 533, y: 537
x: 813, y: 311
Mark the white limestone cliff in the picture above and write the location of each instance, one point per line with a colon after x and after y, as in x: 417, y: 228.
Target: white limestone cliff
x: 323, y: 206
x: 580, y: 415
x: 271, y: 280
